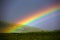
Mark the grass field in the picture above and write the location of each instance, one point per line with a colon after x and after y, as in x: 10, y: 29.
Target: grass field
x: 51, y: 35
x: 54, y: 35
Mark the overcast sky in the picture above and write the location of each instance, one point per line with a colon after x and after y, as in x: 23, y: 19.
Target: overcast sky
x: 19, y: 9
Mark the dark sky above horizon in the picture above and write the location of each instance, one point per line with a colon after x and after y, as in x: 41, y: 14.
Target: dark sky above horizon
x: 15, y: 9
x: 19, y: 9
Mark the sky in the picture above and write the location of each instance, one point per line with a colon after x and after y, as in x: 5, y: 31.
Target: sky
x: 13, y: 10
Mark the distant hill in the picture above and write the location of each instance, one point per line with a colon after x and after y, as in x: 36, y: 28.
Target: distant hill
x: 26, y: 29
x: 5, y: 25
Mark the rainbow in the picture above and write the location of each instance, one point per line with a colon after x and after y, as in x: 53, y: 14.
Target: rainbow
x: 32, y: 18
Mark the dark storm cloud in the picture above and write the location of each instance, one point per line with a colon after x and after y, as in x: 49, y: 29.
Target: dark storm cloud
x: 18, y: 9
x: 12, y: 10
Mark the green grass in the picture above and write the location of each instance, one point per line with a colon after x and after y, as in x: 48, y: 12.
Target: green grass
x: 52, y: 35
x: 55, y: 35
